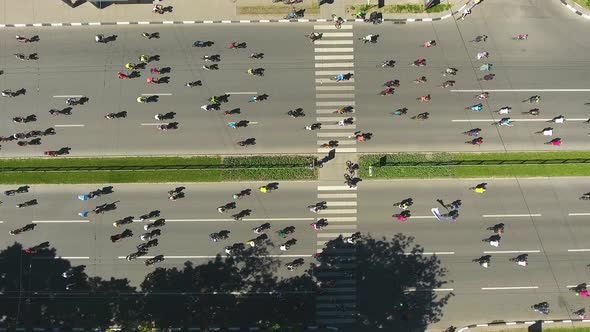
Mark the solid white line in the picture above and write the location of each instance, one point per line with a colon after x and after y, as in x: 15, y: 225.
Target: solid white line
x: 337, y: 127
x: 331, y: 188
x: 334, y: 42
x: 329, y: 81
x: 423, y: 217
x: 156, y: 94
x: 241, y: 93
x: 579, y: 214
x: 343, y: 150
x: 340, y: 203
x: 339, y: 142
x: 68, y: 96
x: 430, y: 253
x: 335, y: 103
x: 509, y: 288
x: 353, y: 195
x: 334, y: 235
x: 332, y: 27
x: 333, y: 72
x: 337, y: 211
x: 511, y: 251
x: 336, y: 34
x: 517, y: 120
x: 524, y: 90
x: 334, y: 88
x: 510, y: 215
x: 413, y: 289
x: 334, y: 50
x: 578, y: 250
x: 481, y: 325
x: 222, y: 256
x: 334, y: 57
x: 58, y: 221
x: 335, y: 134
x: 69, y: 125
x: 72, y: 257
x: 333, y: 227
x: 334, y: 95
x: 335, y: 65
x: 341, y: 219
x: 229, y: 219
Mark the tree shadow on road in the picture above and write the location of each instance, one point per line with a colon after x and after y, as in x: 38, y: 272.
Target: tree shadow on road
x: 394, y: 283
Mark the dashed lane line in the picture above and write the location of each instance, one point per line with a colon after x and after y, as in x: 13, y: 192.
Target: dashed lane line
x: 579, y: 214
x: 512, y: 252
x: 511, y: 215
x: 509, y: 288
x: 414, y: 289
x: 222, y: 256
x: 58, y: 221
x: 231, y: 219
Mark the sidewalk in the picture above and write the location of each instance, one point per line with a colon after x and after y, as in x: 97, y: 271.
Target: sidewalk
x: 56, y: 11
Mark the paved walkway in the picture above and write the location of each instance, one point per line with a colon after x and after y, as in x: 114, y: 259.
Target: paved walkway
x: 56, y: 11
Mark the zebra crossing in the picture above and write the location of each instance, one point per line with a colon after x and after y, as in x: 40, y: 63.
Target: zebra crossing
x: 337, y: 304
x: 333, y: 57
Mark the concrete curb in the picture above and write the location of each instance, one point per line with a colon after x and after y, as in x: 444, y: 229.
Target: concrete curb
x: 319, y: 20
x: 573, y: 9
x: 495, y: 324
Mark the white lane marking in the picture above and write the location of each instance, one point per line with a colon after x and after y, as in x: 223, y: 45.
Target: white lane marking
x: 341, y: 219
x: 333, y: 72
x: 334, y: 235
x: 571, y: 286
x: 509, y: 288
x: 430, y: 253
x: 337, y: 211
x: 578, y: 250
x: 579, y: 214
x: 56, y: 24
x: 335, y: 103
x: 61, y: 257
x: 1, y: 221
x: 334, y: 42
x: 58, y: 221
x: 327, y: 80
x: 337, y: 227
x: 334, y: 50
x: 340, y: 203
x: 20, y: 25
x: 76, y: 24
x: 517, y: 120
x: 95, y: 23
x: 334, y: 95
x: 423, y: 217
x: 342, y: 150
x: 122, y: 23
x: 69, y: 125
x: 229, y: 219
x: 68, y: 96
x: 188, y: 22
x: 334, y: 57
x: 334, y: 65
x: 241, y: 93
x: 512, y: 251
x: 335, y: 134
x: 353, y: 195
x: 143, y: 23
x: 481, y: 325
x: 337, y: 127
x: 336, y: 34
x: 511, y: 215
x: 222, y: 256
x: 334, y: 87
x: 414, y: 289
x: 332, y: 27
x: 339, y: 142
x: 156, y: 94
x: 524, y: 90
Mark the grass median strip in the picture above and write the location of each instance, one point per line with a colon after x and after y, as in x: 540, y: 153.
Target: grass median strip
x: 154, y: 170
x: 404, y: 8
x: 471, y: 165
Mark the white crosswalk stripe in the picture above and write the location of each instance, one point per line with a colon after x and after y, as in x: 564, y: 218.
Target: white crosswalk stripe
x: 341, y: 201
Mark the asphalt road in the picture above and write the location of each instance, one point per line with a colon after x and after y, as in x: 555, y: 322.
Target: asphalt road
x: 71, y: 63
x: 542, y: 217
x: 189, y: 221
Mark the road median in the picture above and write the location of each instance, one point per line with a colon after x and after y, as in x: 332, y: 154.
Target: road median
x: 154, y: 170
x: 471, y: 165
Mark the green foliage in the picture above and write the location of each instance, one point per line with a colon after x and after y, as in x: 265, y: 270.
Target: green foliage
x: 583, y: 3
x: 535, y: 170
